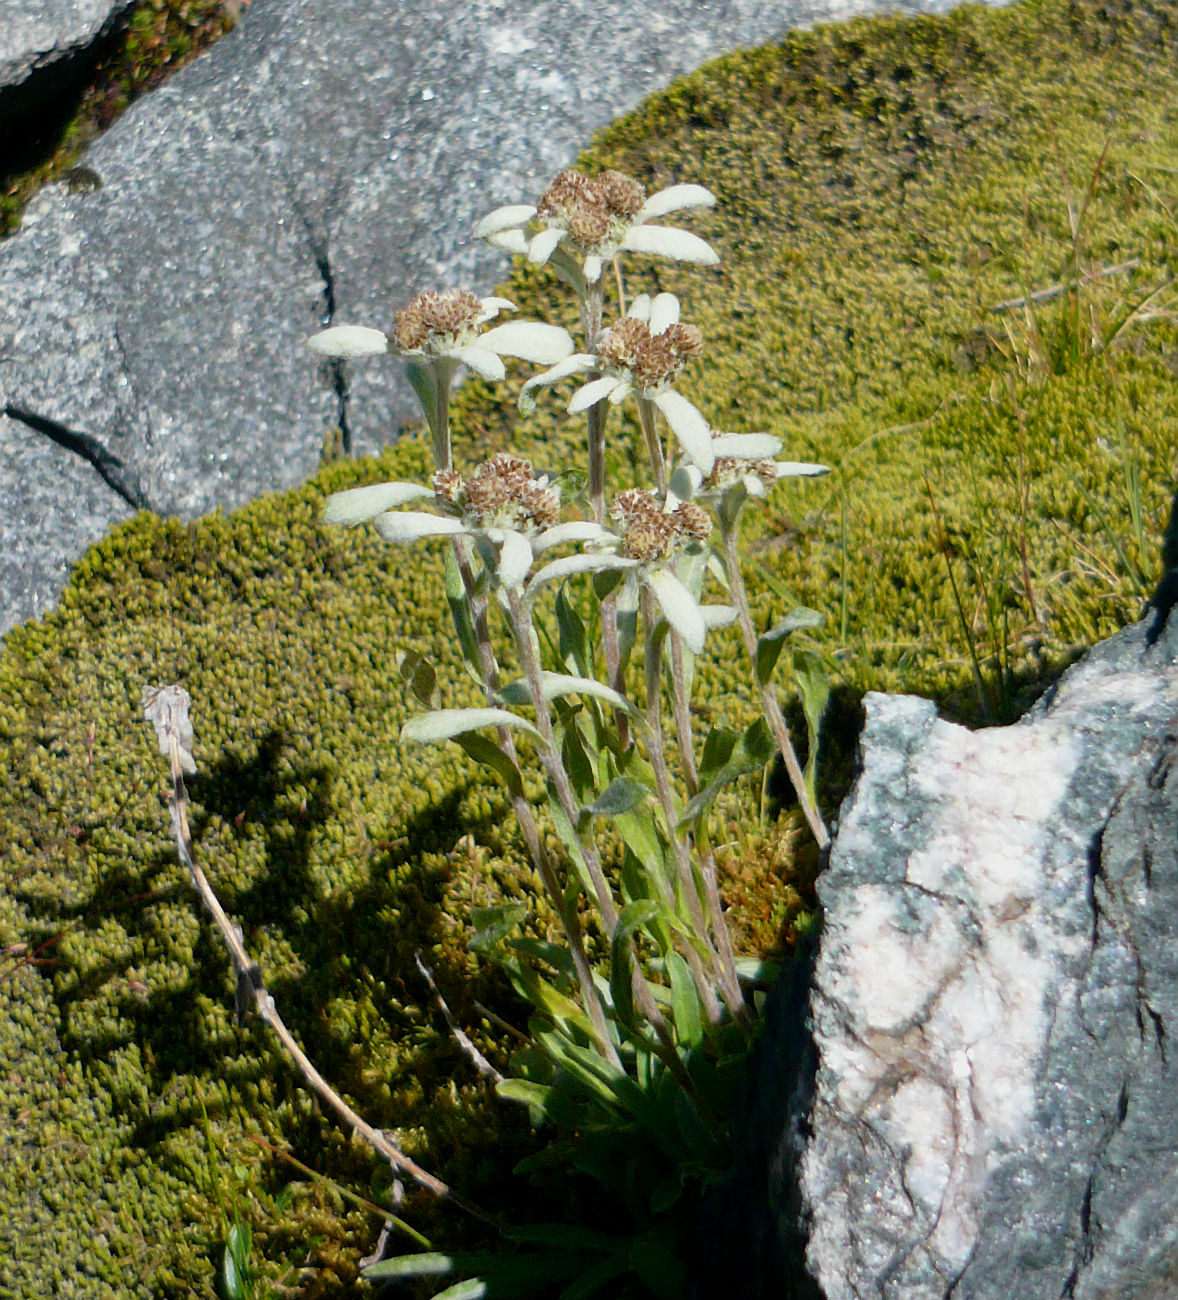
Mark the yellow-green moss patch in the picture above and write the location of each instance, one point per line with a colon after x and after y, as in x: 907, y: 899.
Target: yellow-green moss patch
x: 881, y: 186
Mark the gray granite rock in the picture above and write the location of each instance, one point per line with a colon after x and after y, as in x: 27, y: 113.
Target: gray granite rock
x: 326, y: 160
x: 36, y: 35
x: 981, y: 1101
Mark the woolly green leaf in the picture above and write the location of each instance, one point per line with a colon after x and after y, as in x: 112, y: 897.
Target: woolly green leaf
x: 814, y: 687
x: 493, y: 924
x: 689, y: 1025
x: 770, y: 644
x: 574, y: 638
x: 449, y: 724
x: 425, y: 385
x: 487, y: 753
x: 555, y: 685
x: 419, y: 676
x: 618, y: 797
x: 750, y: 755
x: 428, y: 1264
x: 634, y: 916
x: 460, y: 613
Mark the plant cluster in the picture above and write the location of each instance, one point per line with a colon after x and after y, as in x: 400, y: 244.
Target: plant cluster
x: 579, y: 608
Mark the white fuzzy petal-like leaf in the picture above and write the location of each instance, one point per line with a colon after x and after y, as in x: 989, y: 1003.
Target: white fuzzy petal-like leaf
x: 800, y: 469
x: 664, y: 312
x: 621, y: 392
x: 592, y: 269
x: 586, y: 562
x: 347, y: 341
x: 596, y: 390
x: 491, y: 307
x: 511, y: 241
x: 640, y: 307
x: 445, y: 724
x: 689, y: 427
x: 665, y: 241
x: 358, y: 504
x: 555, y: 685
x: 717, y: 615
x: 530, y: 340
x: 515, y: 559
x: 481, y: 360
x: 577, y: 530
x: 542, y: 246
x: 746, y: 446
x: 679, y: 607
x: 403, y: 526
x: 513, y: 215
x: 674, y: 199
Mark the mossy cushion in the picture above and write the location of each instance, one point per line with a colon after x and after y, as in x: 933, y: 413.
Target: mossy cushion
x: 1000, y: 480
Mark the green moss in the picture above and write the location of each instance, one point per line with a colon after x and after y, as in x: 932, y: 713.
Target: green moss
x: 151, y: 41
x: 880, y: 186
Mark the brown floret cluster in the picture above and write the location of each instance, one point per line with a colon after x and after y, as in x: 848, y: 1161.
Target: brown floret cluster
x: 654, y: 360
x: 591, y: 210
x: 435, y: 317
x: 503, y: 492
x: 650, y: 532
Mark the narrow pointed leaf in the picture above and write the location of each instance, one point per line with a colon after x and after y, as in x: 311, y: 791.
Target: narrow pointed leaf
x: 665, y: 241
x: 404, y: 526
x: 685, y: 1005
x: 359, y: 504
x: 689, y: 427
x: 620, y: 796
x: 513, y: 214
x: 448, y: 724
x: 632, y: 917
x: 347, y: 341
x: 529, y: 340
x: 597, y: 390
x: 771, y: 643
x: 487, y: 753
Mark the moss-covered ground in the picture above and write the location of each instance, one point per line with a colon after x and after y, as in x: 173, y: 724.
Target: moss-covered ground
x: 1000, y: 482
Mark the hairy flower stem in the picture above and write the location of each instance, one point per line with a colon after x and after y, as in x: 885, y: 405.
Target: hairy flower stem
x: 554, y: 766
x: 524, y: 816
x: 729, y: 984
x: 769, y: 701
x: 654, y: 446
x: 682, y: 706
x: 521, y: 626
x: 439, y: 418
x: 590, y: 306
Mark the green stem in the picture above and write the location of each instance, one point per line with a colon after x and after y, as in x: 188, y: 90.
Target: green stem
x: 769, y: 703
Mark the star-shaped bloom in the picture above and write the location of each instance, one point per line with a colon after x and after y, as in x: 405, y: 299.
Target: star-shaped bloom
x: 643, y: 353
x: 584, y: 223
x: 650, y: 536
x: 508, y: 510
x: 448, y: 328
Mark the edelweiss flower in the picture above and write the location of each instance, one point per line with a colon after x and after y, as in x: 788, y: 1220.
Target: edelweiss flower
x: 742, y: 462
x: 643, y: 353
x: 447, y: 327
x: 589, y: 221
x: 508, y: 510
x: 650, y: 538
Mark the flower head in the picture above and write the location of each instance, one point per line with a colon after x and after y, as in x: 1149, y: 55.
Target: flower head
x: 447, y: 328
x: 587, y: 222
x: 508, y: 510
x: 743, y: 466
x: 643, y: 353
x: 649, y: 531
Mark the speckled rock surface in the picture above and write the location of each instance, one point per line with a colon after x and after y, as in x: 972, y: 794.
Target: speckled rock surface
x: 36, y: 34
x: 325, y: 161
x: 994, y: 998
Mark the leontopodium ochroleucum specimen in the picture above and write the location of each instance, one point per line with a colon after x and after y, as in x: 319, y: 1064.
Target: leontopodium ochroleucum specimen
x: 587, y: 222
x: 650, y: 535
x: 643, y: 354
x: 505, y: 507
x: 743, y: 466
x: 447, y: 327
